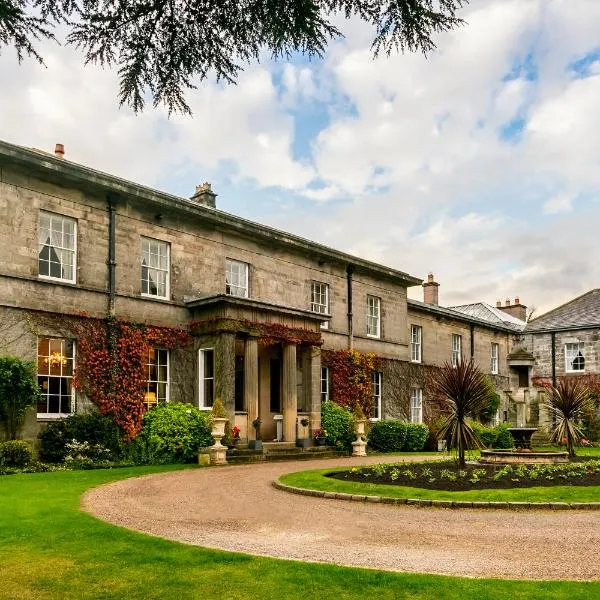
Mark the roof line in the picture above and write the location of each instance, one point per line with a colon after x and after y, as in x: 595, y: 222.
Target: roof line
x: 77, y: 173
x: 564, y: 304
x: 448, y: 312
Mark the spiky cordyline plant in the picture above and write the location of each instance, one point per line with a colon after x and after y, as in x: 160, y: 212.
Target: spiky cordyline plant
x: 567, y: 403
x: 466, y: 392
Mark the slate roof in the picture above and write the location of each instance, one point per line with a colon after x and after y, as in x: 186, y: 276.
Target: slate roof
x: 487, y: 312
x: 461, y: 316
x: 581, y: 312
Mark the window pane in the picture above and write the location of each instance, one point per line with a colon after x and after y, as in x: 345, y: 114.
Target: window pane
x: 154, y: 268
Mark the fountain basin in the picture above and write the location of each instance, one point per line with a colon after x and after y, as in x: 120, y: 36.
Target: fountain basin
x: 514, y: 457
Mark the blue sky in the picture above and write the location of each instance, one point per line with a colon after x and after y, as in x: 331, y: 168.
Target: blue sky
x: 480, y: 163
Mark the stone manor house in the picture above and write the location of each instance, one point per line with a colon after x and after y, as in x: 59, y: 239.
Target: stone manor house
x: 76, y: 240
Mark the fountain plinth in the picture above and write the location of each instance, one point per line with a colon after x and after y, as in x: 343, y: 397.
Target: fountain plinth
x: 522, y: 452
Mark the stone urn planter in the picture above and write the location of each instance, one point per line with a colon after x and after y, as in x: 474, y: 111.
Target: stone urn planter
x: 359, y: 447
x: 218, y: 452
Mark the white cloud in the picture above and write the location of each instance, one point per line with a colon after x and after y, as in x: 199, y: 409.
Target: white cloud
x: 423, y: 164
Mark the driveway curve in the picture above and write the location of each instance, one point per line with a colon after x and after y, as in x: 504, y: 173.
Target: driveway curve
x: 236, y: 508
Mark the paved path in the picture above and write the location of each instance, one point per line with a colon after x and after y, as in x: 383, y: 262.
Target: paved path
x: 236, y: 508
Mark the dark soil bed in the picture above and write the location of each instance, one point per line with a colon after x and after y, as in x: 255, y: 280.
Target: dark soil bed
x: 445, y: 476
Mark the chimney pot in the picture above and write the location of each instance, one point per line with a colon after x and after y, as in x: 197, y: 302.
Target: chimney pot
x: 204, y: 195
x: 498, y: 303
x: 517, y: 300
x: 431, y: 290
x: 59, y: 151
x: 507, y: 302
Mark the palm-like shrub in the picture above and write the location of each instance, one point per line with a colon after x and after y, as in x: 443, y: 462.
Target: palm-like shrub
x: 568, y: 402
x: 466, y: 392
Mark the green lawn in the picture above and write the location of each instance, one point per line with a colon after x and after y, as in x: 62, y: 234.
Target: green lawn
x: 49, y: 549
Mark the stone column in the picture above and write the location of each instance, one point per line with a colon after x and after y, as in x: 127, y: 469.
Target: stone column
x: 314, y: 366
x: 251, y: 383
x: 225, y: 373
x: 289, y: 393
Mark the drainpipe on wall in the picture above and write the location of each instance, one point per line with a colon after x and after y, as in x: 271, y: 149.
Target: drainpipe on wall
x: 553, y: 350
x: 349, y: 271
x: 472, y: 333
x: 112, y: 252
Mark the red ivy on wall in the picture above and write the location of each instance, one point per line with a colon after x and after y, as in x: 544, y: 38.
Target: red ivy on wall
x: 351, y: 377
x: 267, y: 333
x: 110, y: 369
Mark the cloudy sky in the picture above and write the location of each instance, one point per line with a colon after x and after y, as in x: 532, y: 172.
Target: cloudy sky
x: 480, y: 163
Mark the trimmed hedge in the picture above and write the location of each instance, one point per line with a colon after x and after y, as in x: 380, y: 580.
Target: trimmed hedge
x: 394, y: 435
x: 388, y: 435
x: 494, y: 437
x: 338, y: 424
x: 172, y: 433
x: 416, y: 436
x: 15, y: 454
x: 90, y: 427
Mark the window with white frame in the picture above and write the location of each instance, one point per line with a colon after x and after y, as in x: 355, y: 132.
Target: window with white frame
x: 155, y: 268
x: 574, y: 357
x: 55, y: 358
x: 236, y: 278
x: 319, y: 300
x: 377, y: 377
x: 206, y: 373
x: 416, y: 333
x: 416, y: 405
x: 57, y: 245
x: 494, y: 358
x: 456, y: 349
x: 324, y: 384
x: 373, y: 316
x: 157, y: 377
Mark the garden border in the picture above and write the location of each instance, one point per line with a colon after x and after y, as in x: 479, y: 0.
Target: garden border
x: 436, y: 503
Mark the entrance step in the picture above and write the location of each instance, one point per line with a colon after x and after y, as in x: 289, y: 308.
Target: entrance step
x: 239, y: 456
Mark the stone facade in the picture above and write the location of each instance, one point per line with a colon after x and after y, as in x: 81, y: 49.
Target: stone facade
x: 251, y: 379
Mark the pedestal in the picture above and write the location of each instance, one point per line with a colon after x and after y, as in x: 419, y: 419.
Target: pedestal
x: 359, y: 447
x: 218, y: 452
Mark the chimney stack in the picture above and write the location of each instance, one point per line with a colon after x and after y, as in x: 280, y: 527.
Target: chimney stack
x: 431, y: 290
x: 204, y: 195
x: 517, y: 309
x: 59, y: 151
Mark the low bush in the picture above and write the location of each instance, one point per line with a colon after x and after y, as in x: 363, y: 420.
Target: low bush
x: 504, y: 439
x: 416, y: 436
x: 91, y: 427
x: 493, y: 437
x: 388, y: 435
x: 172, y: 433
x: 15, y: 454
x: 338, y: 424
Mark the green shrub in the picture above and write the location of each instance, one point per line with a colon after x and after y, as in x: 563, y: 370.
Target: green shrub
x: 91, y: 427
x: 504, y: 439
x: 416, y: 436
x: 15, y: 454
x: 18, y: 392
x: 487, y: 435
x: 493, y: 437
x: 338, y: 424
x: 388, y: 435
x: 172, y: 433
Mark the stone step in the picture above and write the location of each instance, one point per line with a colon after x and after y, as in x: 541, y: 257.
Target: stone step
x: 237, y: 459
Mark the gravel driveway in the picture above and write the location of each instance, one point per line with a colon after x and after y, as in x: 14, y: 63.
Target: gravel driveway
x: 236, y: 508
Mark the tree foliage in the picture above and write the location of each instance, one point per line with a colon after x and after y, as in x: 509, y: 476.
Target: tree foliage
x: 568, y: 402
x: 466, y: 391
x: 18, y: 392
x: 161, y: 46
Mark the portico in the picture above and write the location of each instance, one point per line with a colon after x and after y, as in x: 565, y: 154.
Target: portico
x: 267, y: 362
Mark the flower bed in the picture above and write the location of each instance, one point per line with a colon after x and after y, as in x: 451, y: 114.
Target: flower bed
x: 445, y: 475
